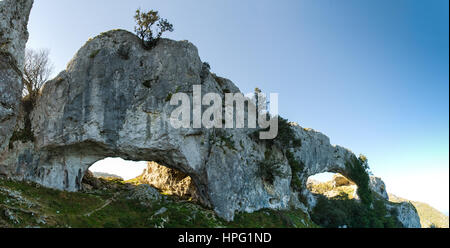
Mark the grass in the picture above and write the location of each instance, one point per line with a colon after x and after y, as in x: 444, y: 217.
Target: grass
x: 32, y: 206
x: 273, y: 219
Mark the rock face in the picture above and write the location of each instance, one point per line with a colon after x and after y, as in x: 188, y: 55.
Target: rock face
x: 169, y: 181
x: 339, y: 180
x: 113, y: 101
x: 407, y: 214
x: 378, y: 186
x: 13, y: 37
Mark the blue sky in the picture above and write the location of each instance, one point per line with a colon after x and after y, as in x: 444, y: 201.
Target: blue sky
x: 372, y: 75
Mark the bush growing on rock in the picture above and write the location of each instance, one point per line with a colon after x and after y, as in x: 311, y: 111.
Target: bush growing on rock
x: 150, y: 27
x: 341, y: 211
x: 36, y: 72
x: 359, y: 172
x: 269, y: 168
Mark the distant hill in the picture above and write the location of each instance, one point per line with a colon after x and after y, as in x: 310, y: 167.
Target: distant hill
x: 428, y: 215
x: 106, y: 175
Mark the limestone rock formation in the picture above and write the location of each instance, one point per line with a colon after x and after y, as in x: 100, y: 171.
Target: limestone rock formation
x: 378, y: 186
x: 145, y: 193
x: 113, y: 101
x: 429, y: 216
x: 407, y: 214
x: 169, y: 181
x: 339, y: 180
x: 13, y: 37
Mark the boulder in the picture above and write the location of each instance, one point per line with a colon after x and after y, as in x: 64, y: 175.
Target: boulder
x: 145, y: 194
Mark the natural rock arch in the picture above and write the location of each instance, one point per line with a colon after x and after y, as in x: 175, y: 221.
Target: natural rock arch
x: 112, y: 101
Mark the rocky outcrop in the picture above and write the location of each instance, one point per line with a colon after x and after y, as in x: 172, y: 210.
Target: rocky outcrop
x: 378, y: 186
x: 429, y: 216
x: 339, y: 180
x: 13, y: 37
x: 113, y: 101
x: 406, y: 214
x: 145, y: 193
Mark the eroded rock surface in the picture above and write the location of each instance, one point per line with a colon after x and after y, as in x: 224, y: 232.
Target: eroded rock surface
x: 378, y: 186
x: 13, y: 37
x: 407, y: 214
x: 169, y: 181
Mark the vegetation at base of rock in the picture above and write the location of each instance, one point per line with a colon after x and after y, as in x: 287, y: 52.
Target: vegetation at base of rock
x: 31, y: 205
x: 368, y: 212
x: 343, y: 212
x: 272, y: 219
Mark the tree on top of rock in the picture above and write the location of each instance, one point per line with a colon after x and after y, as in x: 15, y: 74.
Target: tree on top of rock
x: 150, y: 27
x: 37, y: 70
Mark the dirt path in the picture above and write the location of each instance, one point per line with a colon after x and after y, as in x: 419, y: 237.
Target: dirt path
x: 109, y: 201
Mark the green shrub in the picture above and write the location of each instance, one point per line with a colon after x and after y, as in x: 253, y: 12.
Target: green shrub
x: 169, y: 97
x: 358, y: 172
x: 269, y: 168
x: 94, y: 54
x: 285, y: 139
x: 340, y: 211
x: 297, y: 167
x: 286, y: 136
x: 145, y: 27
x: 370, y: 212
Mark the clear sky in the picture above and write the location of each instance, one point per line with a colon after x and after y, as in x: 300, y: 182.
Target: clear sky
x: 372, y: 75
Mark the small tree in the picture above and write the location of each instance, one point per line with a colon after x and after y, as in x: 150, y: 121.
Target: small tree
x: 150, y: 27
x: 36, y: 72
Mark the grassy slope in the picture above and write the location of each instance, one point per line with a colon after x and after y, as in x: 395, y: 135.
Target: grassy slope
x: 428, y: 215
x: 28, y: 205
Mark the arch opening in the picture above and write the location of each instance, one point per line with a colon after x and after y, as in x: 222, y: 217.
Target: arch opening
x: 118, y: 168
x: 332, y: 185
